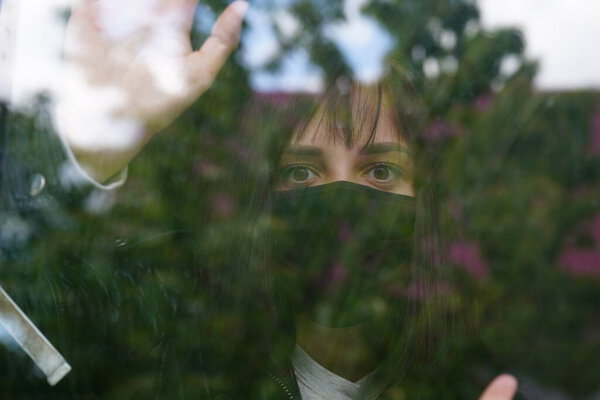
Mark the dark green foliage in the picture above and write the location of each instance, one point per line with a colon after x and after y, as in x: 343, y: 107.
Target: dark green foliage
x: 132, y: 294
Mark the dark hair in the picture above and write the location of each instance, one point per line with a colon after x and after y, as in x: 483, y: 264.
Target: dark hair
x: 268, y: 125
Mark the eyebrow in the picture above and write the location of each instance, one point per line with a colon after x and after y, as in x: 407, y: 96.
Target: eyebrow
x: 384, y: 147
x: 307, y: 151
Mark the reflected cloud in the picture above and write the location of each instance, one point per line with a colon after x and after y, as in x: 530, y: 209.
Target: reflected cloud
x: 362, y: 41
x: 568, y: 55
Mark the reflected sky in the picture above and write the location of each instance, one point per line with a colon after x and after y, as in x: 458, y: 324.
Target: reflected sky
x: 568, y: 57
x: 563, y: 34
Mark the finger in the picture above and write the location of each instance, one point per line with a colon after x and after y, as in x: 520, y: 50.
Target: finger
x: 83, y: 33
x: 203, y: 65
x: 503, y: 387
x: 84, y: 16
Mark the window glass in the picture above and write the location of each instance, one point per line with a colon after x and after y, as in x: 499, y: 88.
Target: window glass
x: 300, y: 199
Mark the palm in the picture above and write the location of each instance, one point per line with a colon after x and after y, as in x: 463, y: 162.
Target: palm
x: 130, y: 68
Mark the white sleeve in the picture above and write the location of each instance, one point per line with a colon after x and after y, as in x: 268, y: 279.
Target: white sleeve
x: 87, y: 124
x: 112, y: 183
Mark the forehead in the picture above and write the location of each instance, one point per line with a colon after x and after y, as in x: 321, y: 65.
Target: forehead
x: 364, y: 116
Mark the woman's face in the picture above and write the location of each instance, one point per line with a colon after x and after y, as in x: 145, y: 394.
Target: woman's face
x: 342, y: 245
x: 316, y: 157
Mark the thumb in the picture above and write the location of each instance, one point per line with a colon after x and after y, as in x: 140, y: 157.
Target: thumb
x: 503, y: 387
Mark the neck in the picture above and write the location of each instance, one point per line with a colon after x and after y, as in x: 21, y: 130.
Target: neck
x: 342, y: 351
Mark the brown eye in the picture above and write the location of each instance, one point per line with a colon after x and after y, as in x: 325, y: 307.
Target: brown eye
x: 297, y: 175
x: 384, y: 173
x: 381, y: 173
x: 300, y: 174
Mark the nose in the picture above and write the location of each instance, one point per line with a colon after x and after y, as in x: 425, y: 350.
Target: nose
x: 340, y: 167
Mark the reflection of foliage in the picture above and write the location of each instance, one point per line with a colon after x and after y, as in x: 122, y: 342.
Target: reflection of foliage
x: 521, y: 180
x: 123, y: 292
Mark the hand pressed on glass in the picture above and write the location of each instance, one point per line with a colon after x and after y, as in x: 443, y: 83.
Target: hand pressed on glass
x: 127, y: 80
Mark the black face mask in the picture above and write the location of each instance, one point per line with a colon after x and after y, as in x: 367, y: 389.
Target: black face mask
x: 342, y: 249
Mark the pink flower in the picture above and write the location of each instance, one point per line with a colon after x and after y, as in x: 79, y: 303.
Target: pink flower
x: 337, y: 273
x: 468, y: 256
x: 335, y: 276
x: 223, y: 205
x: 439, y: 129
x: 483, y: 102
x: 207, y: 169
x: 281, y: 99
x: 583, y: 261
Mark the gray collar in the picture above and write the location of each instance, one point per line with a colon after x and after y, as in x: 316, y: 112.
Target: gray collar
x: 318, y: 383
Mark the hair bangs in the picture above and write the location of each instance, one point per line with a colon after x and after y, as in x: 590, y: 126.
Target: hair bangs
x: 347, y: 113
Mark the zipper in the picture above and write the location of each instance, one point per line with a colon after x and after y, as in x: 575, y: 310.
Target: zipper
x: 283, y: 386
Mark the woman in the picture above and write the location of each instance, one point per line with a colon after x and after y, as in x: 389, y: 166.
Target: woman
x: 343, y: 200
x: 346, y: 216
